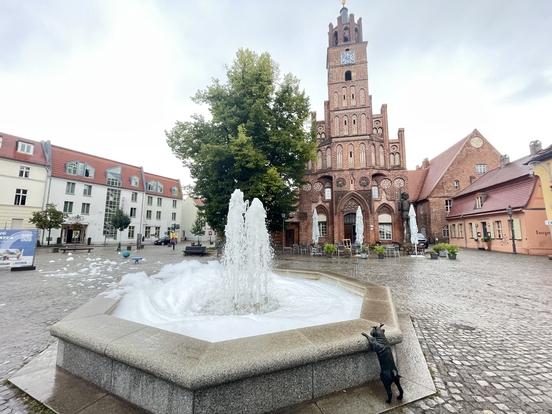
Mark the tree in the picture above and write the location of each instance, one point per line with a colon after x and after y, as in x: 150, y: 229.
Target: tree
x: 47, y: 219
x: 198, y: 229
x: 256, y: 140
x: 120, y: 220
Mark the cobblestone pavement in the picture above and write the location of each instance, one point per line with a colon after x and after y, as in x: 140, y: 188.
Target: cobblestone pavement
x: 483, y: 320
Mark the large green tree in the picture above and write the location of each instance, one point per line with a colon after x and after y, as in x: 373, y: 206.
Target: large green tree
x: 256, y: 139
x: 47, y: 219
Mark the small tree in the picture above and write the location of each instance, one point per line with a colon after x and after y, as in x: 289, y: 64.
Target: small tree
x: 120, y: 220
x: 199, y: 227
x: 47, y: 219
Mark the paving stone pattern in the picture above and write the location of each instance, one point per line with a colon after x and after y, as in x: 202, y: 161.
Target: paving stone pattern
x: 483, y: 320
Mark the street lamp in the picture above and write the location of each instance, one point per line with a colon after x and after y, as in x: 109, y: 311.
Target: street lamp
x: 283, y: 231
x: 511, y: 222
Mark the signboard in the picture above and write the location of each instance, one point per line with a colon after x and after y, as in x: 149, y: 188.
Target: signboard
x: 17, y: 247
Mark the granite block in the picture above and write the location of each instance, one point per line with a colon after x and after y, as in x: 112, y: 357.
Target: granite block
x: 96, y: 306
x: 85, y: 364
x: 257, y: 394
x: 344, y: 372
x: 141, y: 388
x: 181, y: 400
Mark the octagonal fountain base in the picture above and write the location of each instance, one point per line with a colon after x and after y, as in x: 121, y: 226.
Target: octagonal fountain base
x: 165, y: 372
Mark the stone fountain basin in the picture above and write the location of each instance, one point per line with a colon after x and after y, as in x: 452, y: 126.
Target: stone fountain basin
x: 165, y: 372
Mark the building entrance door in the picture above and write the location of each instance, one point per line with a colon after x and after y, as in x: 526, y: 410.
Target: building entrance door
x: 290, y: 237
x: 349, y: 221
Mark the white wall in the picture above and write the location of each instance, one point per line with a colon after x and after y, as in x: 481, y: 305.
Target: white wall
x: 9, y: 182
x: 189, y: 215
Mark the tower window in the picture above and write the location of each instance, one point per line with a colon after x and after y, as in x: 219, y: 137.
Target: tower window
x: 335, y: 41
x: 348, y: 76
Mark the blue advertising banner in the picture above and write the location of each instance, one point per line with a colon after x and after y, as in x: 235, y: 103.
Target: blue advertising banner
x: 17, y: 247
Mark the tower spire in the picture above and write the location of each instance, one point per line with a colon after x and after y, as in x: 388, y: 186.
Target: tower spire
x: 343, y: 2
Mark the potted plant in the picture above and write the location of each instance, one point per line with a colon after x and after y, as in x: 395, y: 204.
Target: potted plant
x: 379, y: 250
x: 329, y: 249
x: 364, y: 252
x: 452, y: 251
x: 434, y: 255
x: 440, y: 249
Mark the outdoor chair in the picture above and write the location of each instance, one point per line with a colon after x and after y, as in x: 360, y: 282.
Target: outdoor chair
x: 303, y: 249
x: 295, y: 248
x: 316, y: 251
x: 392, y: 251
x: 340, y: 249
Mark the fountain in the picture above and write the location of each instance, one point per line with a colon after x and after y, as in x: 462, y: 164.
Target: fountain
x: 231, y: 337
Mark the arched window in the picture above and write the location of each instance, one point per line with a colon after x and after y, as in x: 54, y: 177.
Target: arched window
x: 362, y: 97
x: 351, y: 156
x: 372, y: 154
x: 345, y: 125
x: 353, y: 98
x: 381, y: 156
x: 335, y: 39
x: 336, y: 100
x: 356, y: 34
x: 339, y: 157
x: 385, y: 224
x: 336, y: 127
x: 346, y: 35
x: 362, y: 155
x: 380, y: 131
x: 354, y: 126
x: 363, y: 124
x: 348, y: 76
x: 322, y: 225
x: 328, y: 158
x: 397, y: 158
x: 344, y: 94
x: 319, y: 160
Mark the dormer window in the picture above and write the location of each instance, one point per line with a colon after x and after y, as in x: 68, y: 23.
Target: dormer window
x: 174, y: 191
x: 480, y: 200
x: 155, y: 186
x: 25, y: 148
x: 79, y: 168
x: 113, y: 176
x: 134, y: 181
x: 456, y: 184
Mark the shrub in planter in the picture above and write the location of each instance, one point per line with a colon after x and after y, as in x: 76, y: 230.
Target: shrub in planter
x: 434, y: 255
x: 452, y: 251
x: 329, y: 249
x: 441, y: 249
x: 364, y: 252
x: 380, y: 251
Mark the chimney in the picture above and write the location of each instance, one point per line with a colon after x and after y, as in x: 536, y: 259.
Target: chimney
x: 425, y: 163
x: 535, y: 146
x: 504, y: 159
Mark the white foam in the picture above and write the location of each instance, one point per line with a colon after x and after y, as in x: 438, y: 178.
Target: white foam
x: 189, y: 298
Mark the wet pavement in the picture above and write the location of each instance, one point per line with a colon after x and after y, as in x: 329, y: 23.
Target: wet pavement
x: 483, y: 321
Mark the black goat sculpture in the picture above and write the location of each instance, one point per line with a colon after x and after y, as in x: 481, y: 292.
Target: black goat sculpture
x: 389, y: 373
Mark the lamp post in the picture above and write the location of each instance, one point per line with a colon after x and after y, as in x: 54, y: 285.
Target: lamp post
x: 283, y: 231
x: 511, y: 222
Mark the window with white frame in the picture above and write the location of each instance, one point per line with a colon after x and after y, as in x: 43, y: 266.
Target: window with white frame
x: 446, y: 231
x: 157, y: 231
x: 148, y: 214
x: 158, y: 215
x: 134, y: 181
x: 456, y: 184
x: 375, y: 191
x: 159, y: 201
x: 114, y: 177
x: 24, y: 171
x: 68, y: 207
x: 385, y: 223
x: 20, y: 197
x: 453, y: 231
x: 460, y: 230
x: 130, y: 232
x: 85, y: 208
x: 478, y: 201
x: 70, y: 188
x: 134, y: 197
x: 174, y: 191
x: 173, y: 216
x: 154, y: 186
x: 133, y: 212
x: 87, y: 190
x: 150, y: 201
x: 480, y: 168
x: 174, y: 203
x: 498, y: 229
x: 448, y: 205
x: 147, y: 232
x: 322, y: 225
x: 25, y: 148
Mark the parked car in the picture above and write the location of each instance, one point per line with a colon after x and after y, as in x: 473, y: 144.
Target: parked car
x: 163, y: 240
x: 422, y: 240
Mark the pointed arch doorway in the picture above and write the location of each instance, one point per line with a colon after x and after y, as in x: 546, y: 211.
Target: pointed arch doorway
x: 349, y: 221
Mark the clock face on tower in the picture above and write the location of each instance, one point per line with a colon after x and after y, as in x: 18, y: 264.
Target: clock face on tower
x: 347, y: 57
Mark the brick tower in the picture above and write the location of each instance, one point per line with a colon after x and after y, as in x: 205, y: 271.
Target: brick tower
x: 356, y: 164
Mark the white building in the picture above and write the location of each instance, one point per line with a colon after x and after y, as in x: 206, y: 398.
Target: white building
x: 189, y: 215
x: 89, y: 189
x: 23, y: 173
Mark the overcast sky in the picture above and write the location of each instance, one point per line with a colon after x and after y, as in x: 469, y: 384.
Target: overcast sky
x: 108, y: 77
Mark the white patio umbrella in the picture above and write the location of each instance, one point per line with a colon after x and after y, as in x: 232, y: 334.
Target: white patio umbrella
x: 413, y: 229
x: 315, y: 230
x: 359, y: 227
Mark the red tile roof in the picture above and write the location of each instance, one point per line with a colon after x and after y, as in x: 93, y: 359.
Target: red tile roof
x: 415, y: 182
x: 8, y: 149
x: 509, y: 172
x: 61, y: 156
x: 515, y: 194
x: 439, y: 165
x: 168, y: 184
